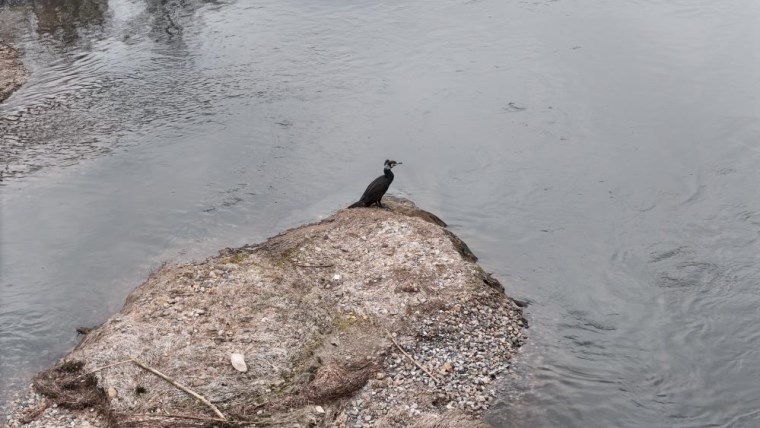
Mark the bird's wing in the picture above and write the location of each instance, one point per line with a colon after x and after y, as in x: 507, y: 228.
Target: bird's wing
x: 377, y: 188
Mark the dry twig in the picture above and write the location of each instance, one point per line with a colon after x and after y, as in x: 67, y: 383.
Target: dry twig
x: 328, y: 265
x: 170, y: 415
x: 104, y: 367
x: 182, y: 387
x: 29, y: 415
x: 410, y: 358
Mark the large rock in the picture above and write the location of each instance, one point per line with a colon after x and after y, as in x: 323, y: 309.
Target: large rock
x: 320, y: 313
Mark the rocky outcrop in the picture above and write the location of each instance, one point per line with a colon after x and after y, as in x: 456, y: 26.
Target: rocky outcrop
x: 371, y: 317
x: 12, y: 72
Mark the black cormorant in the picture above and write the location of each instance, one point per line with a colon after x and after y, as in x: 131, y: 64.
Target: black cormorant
x: 378, y: 187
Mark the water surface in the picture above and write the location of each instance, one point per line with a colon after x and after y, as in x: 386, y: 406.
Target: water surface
x: 600, y: 158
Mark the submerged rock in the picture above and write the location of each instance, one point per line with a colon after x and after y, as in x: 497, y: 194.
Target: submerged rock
x: 376, y: 317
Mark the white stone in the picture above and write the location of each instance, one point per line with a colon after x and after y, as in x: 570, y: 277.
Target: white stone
x: 238, y: 361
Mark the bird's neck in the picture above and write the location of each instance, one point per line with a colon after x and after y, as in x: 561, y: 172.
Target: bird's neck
x: 388, y: 173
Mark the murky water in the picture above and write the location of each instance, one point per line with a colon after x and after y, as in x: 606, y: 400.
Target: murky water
x: 600, y: 157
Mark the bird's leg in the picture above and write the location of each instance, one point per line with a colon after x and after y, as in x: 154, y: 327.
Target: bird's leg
x: 379, y: 203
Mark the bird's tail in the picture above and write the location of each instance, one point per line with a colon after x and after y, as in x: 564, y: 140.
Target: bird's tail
x: 357, y: 204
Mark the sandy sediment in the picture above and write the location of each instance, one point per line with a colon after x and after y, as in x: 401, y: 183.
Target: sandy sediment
x: 370, y: 317
x: 12, y: 71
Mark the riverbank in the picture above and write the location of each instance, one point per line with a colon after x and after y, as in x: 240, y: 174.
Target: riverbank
x: 370, y: 317
x: 12, y: 71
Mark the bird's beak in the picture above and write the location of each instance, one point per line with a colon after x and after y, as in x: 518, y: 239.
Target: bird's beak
x: 399, y: 163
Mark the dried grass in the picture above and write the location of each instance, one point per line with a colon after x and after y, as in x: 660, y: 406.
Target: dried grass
x: 65, y: 387
x: 334, y: 381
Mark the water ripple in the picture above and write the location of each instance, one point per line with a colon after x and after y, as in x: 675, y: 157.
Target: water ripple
x: 603, y: 156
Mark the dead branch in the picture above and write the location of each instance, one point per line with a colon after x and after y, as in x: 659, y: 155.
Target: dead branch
x: 182, y: 387
x: 175, y: 416
x: 410, y: 358
x: 104, y: 367
x: 314, y: 266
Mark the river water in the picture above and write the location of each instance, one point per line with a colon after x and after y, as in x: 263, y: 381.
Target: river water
x: 600, y: 157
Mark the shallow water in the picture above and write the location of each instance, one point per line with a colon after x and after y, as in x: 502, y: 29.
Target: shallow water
x: 600, y: 158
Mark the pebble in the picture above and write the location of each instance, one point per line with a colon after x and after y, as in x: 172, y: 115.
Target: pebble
x: 465, y: 350
x: 51, y: 417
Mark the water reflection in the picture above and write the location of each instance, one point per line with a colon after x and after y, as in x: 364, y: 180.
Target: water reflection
x: 100, y: 71
x: 77, y: 21
x: 166, y: 15
x: 64, y: 19
x: 67, y: 22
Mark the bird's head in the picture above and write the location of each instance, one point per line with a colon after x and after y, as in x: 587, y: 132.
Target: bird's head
x: 391, y: 163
